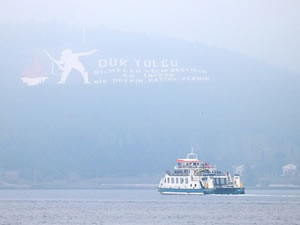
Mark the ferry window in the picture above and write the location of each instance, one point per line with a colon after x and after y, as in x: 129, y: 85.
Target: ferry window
x: 177, y: 180
x: 168, y: 180
x: 195, y: 185
x: 172, y: 180
x: 191, y: 185
x: 186, y: 180
x: 165, y: 180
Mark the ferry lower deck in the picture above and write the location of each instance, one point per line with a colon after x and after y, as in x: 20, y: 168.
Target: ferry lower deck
x: 201, y: 191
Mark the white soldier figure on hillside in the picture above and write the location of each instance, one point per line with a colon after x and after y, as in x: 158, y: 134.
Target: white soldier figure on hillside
x: 69, y: 61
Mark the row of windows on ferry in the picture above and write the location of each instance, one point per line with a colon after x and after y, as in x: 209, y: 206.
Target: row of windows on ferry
x: 176, y: 180
x: 220, y: 181
x: 180, y: 164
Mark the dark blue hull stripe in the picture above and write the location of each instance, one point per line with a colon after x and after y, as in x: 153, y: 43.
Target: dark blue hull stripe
x: 204, y: 191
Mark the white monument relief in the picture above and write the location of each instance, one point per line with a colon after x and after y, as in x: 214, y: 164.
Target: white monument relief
x: 69, y: 61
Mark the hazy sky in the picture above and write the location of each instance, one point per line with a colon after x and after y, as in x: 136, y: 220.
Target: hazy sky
x: 265, y: 29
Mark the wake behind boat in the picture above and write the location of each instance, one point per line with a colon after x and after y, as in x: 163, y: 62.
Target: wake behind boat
x: 190, y: 176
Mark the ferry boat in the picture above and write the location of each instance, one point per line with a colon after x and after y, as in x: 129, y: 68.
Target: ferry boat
x: 190, y: 176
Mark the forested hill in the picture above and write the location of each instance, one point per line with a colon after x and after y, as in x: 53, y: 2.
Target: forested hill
x: 233, y: 109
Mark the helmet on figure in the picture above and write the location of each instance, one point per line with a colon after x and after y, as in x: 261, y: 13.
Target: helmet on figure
x: 66, y: 52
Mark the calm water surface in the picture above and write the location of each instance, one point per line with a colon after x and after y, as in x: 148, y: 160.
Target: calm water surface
x: 31, y: 207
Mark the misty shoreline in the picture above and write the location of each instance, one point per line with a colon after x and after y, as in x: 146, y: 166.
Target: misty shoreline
x: 129, y: 187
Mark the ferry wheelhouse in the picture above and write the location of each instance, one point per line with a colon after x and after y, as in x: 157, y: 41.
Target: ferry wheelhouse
x: 190, y: 176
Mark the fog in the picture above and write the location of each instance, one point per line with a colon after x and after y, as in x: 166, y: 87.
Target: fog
x: 232, y: 103
x: 266, y: 30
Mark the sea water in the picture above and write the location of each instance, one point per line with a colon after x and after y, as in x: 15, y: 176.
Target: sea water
x: 91, y: 207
